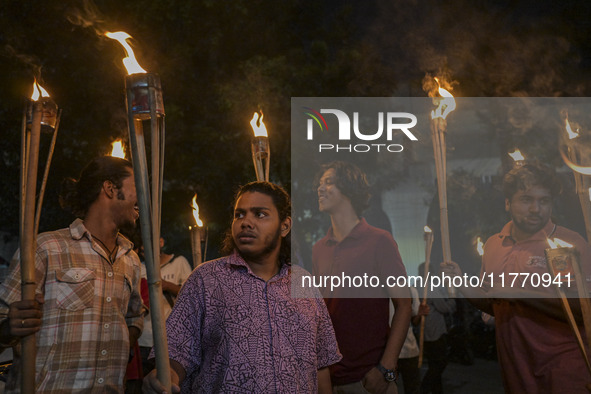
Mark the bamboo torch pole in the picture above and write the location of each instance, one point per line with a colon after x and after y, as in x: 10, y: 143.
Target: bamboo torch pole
x: 145, y: 104
x: 46, y: 172
x: 563, y: 259
x: 27, y: 245
x: 196, y: 234
x: 40, y: 114
x: 261, y: 152
x: 582, y: 183
x: 150, y: 222
x: 438, y: 130
x: 428, y: 244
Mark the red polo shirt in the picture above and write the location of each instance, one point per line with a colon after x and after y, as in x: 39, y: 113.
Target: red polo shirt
x: 537, y: 353
x: 361, y: 324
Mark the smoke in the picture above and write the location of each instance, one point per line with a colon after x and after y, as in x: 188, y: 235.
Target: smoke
x: 31, y: 62
x: 493, y: 51
x: 88, y: 16
x: 432, y: 83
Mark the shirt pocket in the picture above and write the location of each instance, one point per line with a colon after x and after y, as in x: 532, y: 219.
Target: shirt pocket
x: 75, y: 288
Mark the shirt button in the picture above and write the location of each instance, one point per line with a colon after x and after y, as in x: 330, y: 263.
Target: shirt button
x: 107, y: 326
x: 108, y: 299
x: 100, y: 380
x: 110, y: 274
x: 104, y: 352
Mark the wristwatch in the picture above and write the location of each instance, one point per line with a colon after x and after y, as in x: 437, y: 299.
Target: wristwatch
x: 389, y: 374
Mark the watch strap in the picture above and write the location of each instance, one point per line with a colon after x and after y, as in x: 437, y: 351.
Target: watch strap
x: 391, y: 375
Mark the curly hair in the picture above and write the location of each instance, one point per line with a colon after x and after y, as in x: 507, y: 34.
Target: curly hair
x: 76, y: 196
x: 352, y: 183
x: 528, y: 175
x: 282, y: 202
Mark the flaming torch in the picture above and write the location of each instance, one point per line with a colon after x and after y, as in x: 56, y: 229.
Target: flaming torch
x: 196, y: 234
x: 428, y: 236
x: 563, y: 258
x: 582, y: 183
x: 117, y: 149
x: 41, y: 114
x: 517, y: 157
x: 479, y: 247
x: 261, y: 152
x: 447, y: 103
x: 146, y: 106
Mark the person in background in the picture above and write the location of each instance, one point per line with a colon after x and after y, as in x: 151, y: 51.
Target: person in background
x: 174, y: 270
x: 537, y: 349
x: 435, y: 344
x: 408, y: 360
x: 369, y: 341
x: 88, y: 312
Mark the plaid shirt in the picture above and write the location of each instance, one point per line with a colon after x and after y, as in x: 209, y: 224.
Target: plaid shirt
x: 83, y: 344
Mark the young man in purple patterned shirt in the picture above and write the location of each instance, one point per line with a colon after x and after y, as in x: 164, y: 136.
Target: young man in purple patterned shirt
x: 236, y: 327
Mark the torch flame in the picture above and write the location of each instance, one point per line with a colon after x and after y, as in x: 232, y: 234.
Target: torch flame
x: 196, y: 211
x: 517, y: 156
x: 558, y: 243
x: 130, y: 61
x: 118, y: 149
x: 571, y: 133
x: 446, y: 104
x: 427, y: 229
x: 479, y: 246
x: 259, y: 130
x: 38, y: 91
x: 574, y: 167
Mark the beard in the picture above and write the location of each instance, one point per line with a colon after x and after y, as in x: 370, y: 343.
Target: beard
x: 128, y: 226
x: 267, y: 250
x: 529, y: 228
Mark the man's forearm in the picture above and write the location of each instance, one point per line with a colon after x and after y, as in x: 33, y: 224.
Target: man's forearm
x: 398, y: 331
x: 324, y: 383
x: 179, y: 370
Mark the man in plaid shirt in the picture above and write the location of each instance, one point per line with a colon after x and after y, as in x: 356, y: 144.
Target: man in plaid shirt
x: 88, y: 309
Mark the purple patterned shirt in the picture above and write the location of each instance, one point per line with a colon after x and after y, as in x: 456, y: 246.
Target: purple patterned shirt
x: 234, y: 332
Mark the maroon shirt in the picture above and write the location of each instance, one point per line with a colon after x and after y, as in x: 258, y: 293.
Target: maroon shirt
x: 537, y: 352
x: 362, y: 324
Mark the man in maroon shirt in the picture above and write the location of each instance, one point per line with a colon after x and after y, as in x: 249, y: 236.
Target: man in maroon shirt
x: 537, y: 349
x: 369, y: 344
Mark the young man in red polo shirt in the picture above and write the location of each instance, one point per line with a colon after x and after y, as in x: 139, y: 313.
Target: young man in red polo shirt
x: 369, y: 344
x: 537, y: 348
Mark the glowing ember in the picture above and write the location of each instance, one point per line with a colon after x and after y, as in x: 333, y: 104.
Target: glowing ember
x: 571, y: 133
x: 558, y: 243
x: 517, y: 156
x: 38, y: 91
x: 118, y: 150
x: 130, y: 61
x: 196, y: 211
x: 446, y: 105
x: 427, y: 229
x: 259, y: 130
x: 479, y: 246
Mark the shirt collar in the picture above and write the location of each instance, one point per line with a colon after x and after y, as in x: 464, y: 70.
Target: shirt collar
x: 541, y: 235
x: 356, y: 232
x: 237, y: 261
x: 78, y: 231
